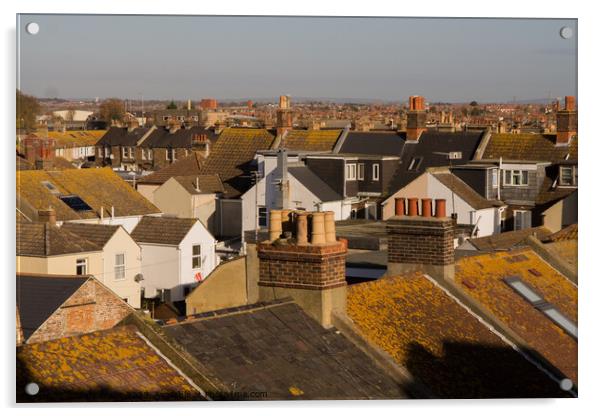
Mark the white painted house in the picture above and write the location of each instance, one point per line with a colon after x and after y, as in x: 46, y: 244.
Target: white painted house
x: 292, y: 185
x: 470, y: 207
x: 177, y: 254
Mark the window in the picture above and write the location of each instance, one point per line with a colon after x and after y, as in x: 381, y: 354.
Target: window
x: 522, y: 219
x: 119, y: 266
x: 494, y: 178
x: 149, y: 154
x: 262, y: 216
x: 81, y: 267
x: 375, y: 172
x: 568, y: 176
x: 170, y: 154
x: 516, y: 177
x: 360, y: 171
x: 351, y: 171
x: 415, y: 163
x: 143, y: 154
x: 75, y: 203
x: 196, y: 256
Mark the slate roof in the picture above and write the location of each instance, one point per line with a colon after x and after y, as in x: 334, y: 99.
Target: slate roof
x: 314, y: 184
x: 463, y: 190
x: 113, y: 365
x: 430, y: 144
x: 181, y: 138
x: 310, y: 140
x: 208, y: 184
x: 482, y: 278
x: 99, y: 187
x: 539, y: 147
x: 189, y: 165
x: 232, y: 158
x: 41, y: 239
x: 373, y: 143
x: 548, y: 194
x: 440, y: 343
x: 278, y: 349
x: 99, y: 234
x: 162, y: 230
x: 39, y: 296
x: 120, y: 136
x: 567, y: 233
x: 508, y: 239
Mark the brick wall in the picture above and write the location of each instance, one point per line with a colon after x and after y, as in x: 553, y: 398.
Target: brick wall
x: 419, y: 240
x: 313, y: 267
x: 91, y: 308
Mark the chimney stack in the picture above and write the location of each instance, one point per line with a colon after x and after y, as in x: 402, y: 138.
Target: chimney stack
x: 424, y: 242
x: 284, y: 116
x: 47, y: 216
x: 416, y: 123
x: 566, y: 122
x: 309, y: 266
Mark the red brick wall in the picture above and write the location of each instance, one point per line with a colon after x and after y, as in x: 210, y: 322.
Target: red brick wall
x: 304, y: 267
x: 417, y: 240
x: 92, y: 308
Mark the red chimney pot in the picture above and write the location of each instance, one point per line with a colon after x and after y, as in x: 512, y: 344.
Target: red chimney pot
x: 440, y: 208
x: 412, y: 207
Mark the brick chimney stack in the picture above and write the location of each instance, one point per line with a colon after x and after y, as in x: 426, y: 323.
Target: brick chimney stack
x: 566, y: 122
x: 421, y: 241
x: 306, y: 263
x: 416, y: 124
x: 284, y: 115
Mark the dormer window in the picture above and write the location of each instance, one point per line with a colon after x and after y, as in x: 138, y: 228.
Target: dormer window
x: 568, y: 176
x: 415, y: 163
x: 350, y: 171
x: 515, y: 177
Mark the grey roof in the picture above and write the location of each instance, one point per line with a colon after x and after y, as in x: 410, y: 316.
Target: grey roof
x: 181, y: 138
x: 314, y: 184
x: 42, y: 239
x: 120, y: 136
x: 464, y: 191
x: 99, y: 234
x: 162, y: 230
x: 38, y: 296
x: 373, y: 143
x: 278, y: 349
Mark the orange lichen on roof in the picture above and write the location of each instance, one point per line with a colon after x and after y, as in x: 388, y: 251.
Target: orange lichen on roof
x: 567, y: 233
x: 311, y: 140
x: 441, y: 344
x: 566, y: 250
x: 97, y: 187
x: 482, y: 278
x: 526, y: 146
x: 117, y: 360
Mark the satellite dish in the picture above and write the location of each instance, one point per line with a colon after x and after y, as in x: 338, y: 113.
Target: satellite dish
x: 138, y: 277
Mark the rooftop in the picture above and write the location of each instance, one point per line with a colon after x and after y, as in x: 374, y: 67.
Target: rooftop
x: 441, y: 343
x: 509, y: 239
x: 42, y: 239
x: 162, y: 230
x: 482, y: 277
x: 99, y: 234
x: 311, y: 140
x: 189, y: 165
x: 276, y: 348
x: 529, y: 147
x: 113, y: 365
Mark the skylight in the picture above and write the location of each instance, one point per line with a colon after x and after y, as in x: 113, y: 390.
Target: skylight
x: 76, y: 203
x: 415, y: 163
x: 524, y: 290
x: 562, y: 321
x: 48, y: 185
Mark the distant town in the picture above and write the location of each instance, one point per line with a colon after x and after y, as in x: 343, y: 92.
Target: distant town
x: 291, y: 248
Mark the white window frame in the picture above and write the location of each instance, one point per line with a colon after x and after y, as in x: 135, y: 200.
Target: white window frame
x: 494, y: 177
x: 573, y: 181
x: 375, y: 172
x: 360, y: 171
x: 259, y: 216
x: 415, y: 163
x: 350, y: 171
x: 197, y: 256
x: 173, y: 154
x: 521, y: 174
x: 143, y: 153
x: 81, y: 262
x: 119, y: 269
x: 523, y: 214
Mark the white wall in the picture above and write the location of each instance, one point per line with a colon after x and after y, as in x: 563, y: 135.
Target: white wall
x: 198, y: 234
x: 160, y: 267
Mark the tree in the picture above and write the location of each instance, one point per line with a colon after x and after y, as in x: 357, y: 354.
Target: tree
x: 172, y: 106
x: 112, y: 109
x: 28, y: 108
x: 473, y: 103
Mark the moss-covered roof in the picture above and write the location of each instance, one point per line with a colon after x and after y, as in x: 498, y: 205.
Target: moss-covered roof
x: 540, y: 147
x: 311, y: 140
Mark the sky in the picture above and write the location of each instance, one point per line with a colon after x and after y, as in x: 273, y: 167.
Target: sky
x: 228, y: 57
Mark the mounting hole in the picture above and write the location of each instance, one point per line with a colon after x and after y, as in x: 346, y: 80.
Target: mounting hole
x: 32, y: 389
x: 566, y: 32
x: 566, y: 384
x: 32, y: 28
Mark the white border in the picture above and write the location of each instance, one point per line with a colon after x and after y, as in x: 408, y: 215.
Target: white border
x: 590, y: 143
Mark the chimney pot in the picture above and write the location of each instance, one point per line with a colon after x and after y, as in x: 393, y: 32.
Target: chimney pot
x: 412, y: 207
x: 400, y: 206
x: 427, y: 208
x: 317, y: 228
x: 329, y: 229
x: 301, y: 220
x: 47, y: 216
x: 275, y: 224
x: 569, y: 103
x: 440, y: 208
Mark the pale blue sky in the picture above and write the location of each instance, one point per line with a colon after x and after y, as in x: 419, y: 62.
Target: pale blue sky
x: 184, y: 57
